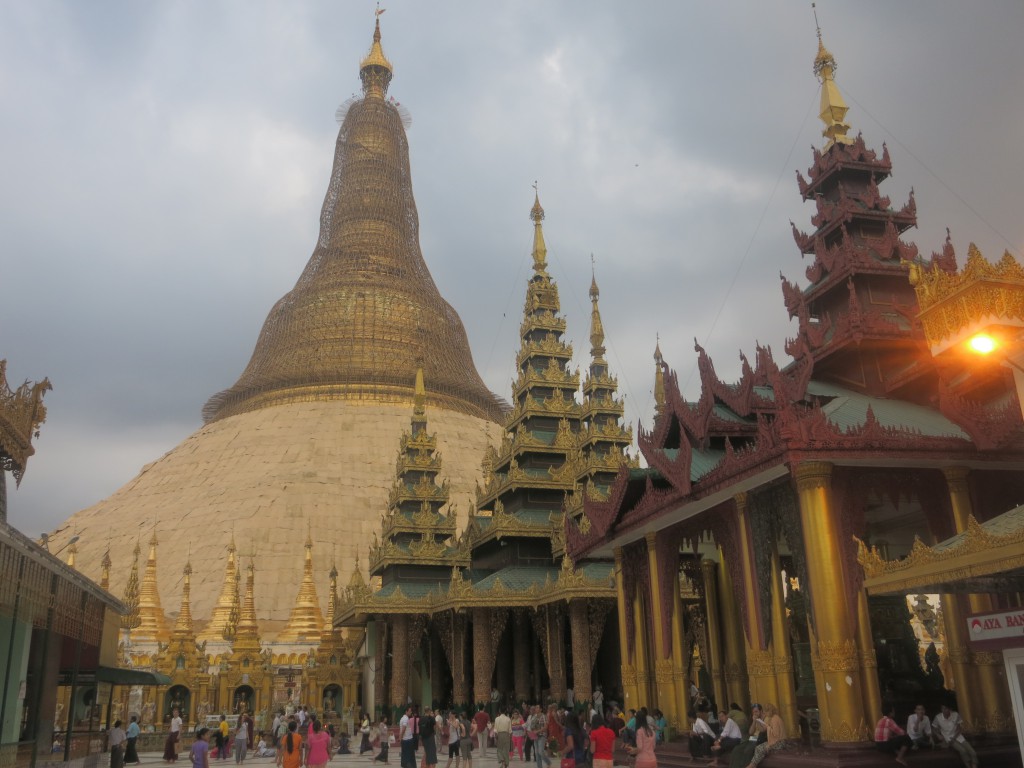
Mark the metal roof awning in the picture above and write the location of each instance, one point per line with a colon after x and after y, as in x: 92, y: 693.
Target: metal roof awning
x: 116, y: 676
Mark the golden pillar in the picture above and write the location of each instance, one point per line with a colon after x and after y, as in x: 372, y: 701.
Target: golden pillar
x: 579, y: 626
x: 483, y: 665
x: 644, y: 688
x: 868, y: 661
x: 682, y: 688
x: 520, y: 656
x: 399, y: 660
x: 760, y: 666
x: 664, y: 683
x: 631, y: 696
x: 736, y: 685
x: 834, y: 647
x: 988, y: 673
x: 782, y: 656
x: 714, y: 629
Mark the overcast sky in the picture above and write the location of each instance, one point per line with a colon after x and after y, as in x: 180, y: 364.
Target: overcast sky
x: 163, y: 166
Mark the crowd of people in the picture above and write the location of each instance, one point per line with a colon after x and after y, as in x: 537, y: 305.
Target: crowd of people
x: 584, y: 736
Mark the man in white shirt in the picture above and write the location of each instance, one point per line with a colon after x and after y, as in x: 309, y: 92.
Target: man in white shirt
x: 701, y: 736
x: 503, y: 737
x: 919, y: 728
x: 949, y: 733
x: 730, y: 737
x: 408, y: 734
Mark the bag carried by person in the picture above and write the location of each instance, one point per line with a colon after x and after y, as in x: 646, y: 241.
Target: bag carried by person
x: 568, y: 762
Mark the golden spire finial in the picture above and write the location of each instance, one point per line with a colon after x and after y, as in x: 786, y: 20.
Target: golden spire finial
x: 306, y: 619
x: 597, y: 348
x: 833, y: 108
x: 183, y: 627
x: 375, y: 70
x: 540, y: 250
x: 247, y: 627
x: 420, y: 395
x: 105, y: 564
x: 152, y: 622
x: 130, y: 619
x: 72, y: 551
x: 659, y: 378
x: 225, y: 613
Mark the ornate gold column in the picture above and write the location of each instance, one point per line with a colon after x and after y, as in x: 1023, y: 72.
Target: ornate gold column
x: 579, y: 626
x: 643, y: 671
x: 556, y: 652
x: 520, y: 656
x: 482, y: 662
x: 631, y: 697
x: 868, y: 661
x: 736, y: 685
x: 399, y: 631
x: 988, y: 675
x: 833, y: 644
x: 714, y: 629
x: 682, y: 689
x: 664, y: 680
x: 760, y: 667
x: 782, y: 657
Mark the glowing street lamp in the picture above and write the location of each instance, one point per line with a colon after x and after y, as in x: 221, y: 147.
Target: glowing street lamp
x: 979, y: 310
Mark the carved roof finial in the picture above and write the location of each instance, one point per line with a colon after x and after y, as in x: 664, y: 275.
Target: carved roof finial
x: 833, y: 108
x: 540, y: 250
x: 659, y: 377
x: 375, y: 70
x: 597, y: 348
x: 420, y: 394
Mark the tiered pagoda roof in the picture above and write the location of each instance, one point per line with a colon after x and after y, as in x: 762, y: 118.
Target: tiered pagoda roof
x: 541, y: 433
x: 418, y: 529
x: 861, y: 384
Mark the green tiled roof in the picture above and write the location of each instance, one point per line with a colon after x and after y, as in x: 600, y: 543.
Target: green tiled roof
x: 518, y: 577
x: 412, y: 589
x: 1003, y: 525
x: 849, y: 409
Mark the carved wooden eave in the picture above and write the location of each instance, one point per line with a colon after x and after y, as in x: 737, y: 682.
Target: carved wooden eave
x: 21, y: 414
x: 964, y: 563
x: 838, y: 157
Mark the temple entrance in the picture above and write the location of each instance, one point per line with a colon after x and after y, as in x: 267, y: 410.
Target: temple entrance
x: 242, y: 699
x: 177, y: 697
x: 333, y: 699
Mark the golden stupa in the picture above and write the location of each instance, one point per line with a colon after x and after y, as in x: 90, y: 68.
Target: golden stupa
x: 295, y: 461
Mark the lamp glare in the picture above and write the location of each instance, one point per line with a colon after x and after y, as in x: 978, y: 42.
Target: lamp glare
x: 982, y: 344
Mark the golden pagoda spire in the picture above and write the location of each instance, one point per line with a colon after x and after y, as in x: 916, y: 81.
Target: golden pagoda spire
x: 183, y: 627
x: 105, y: 564
x: 540, y: 250
x: 130, y: 619
x: 833, y: 108
x: 72, y: 551
x: 597, y: 348
x: 366, y: 288
x: 306, y: 618
x: 221, y: 617
x: 332, y: 601
x: 419, y: 395
x: 152, y: 622
x: 248, y: 629
x: 375, y: 70
x: 659, y: 379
